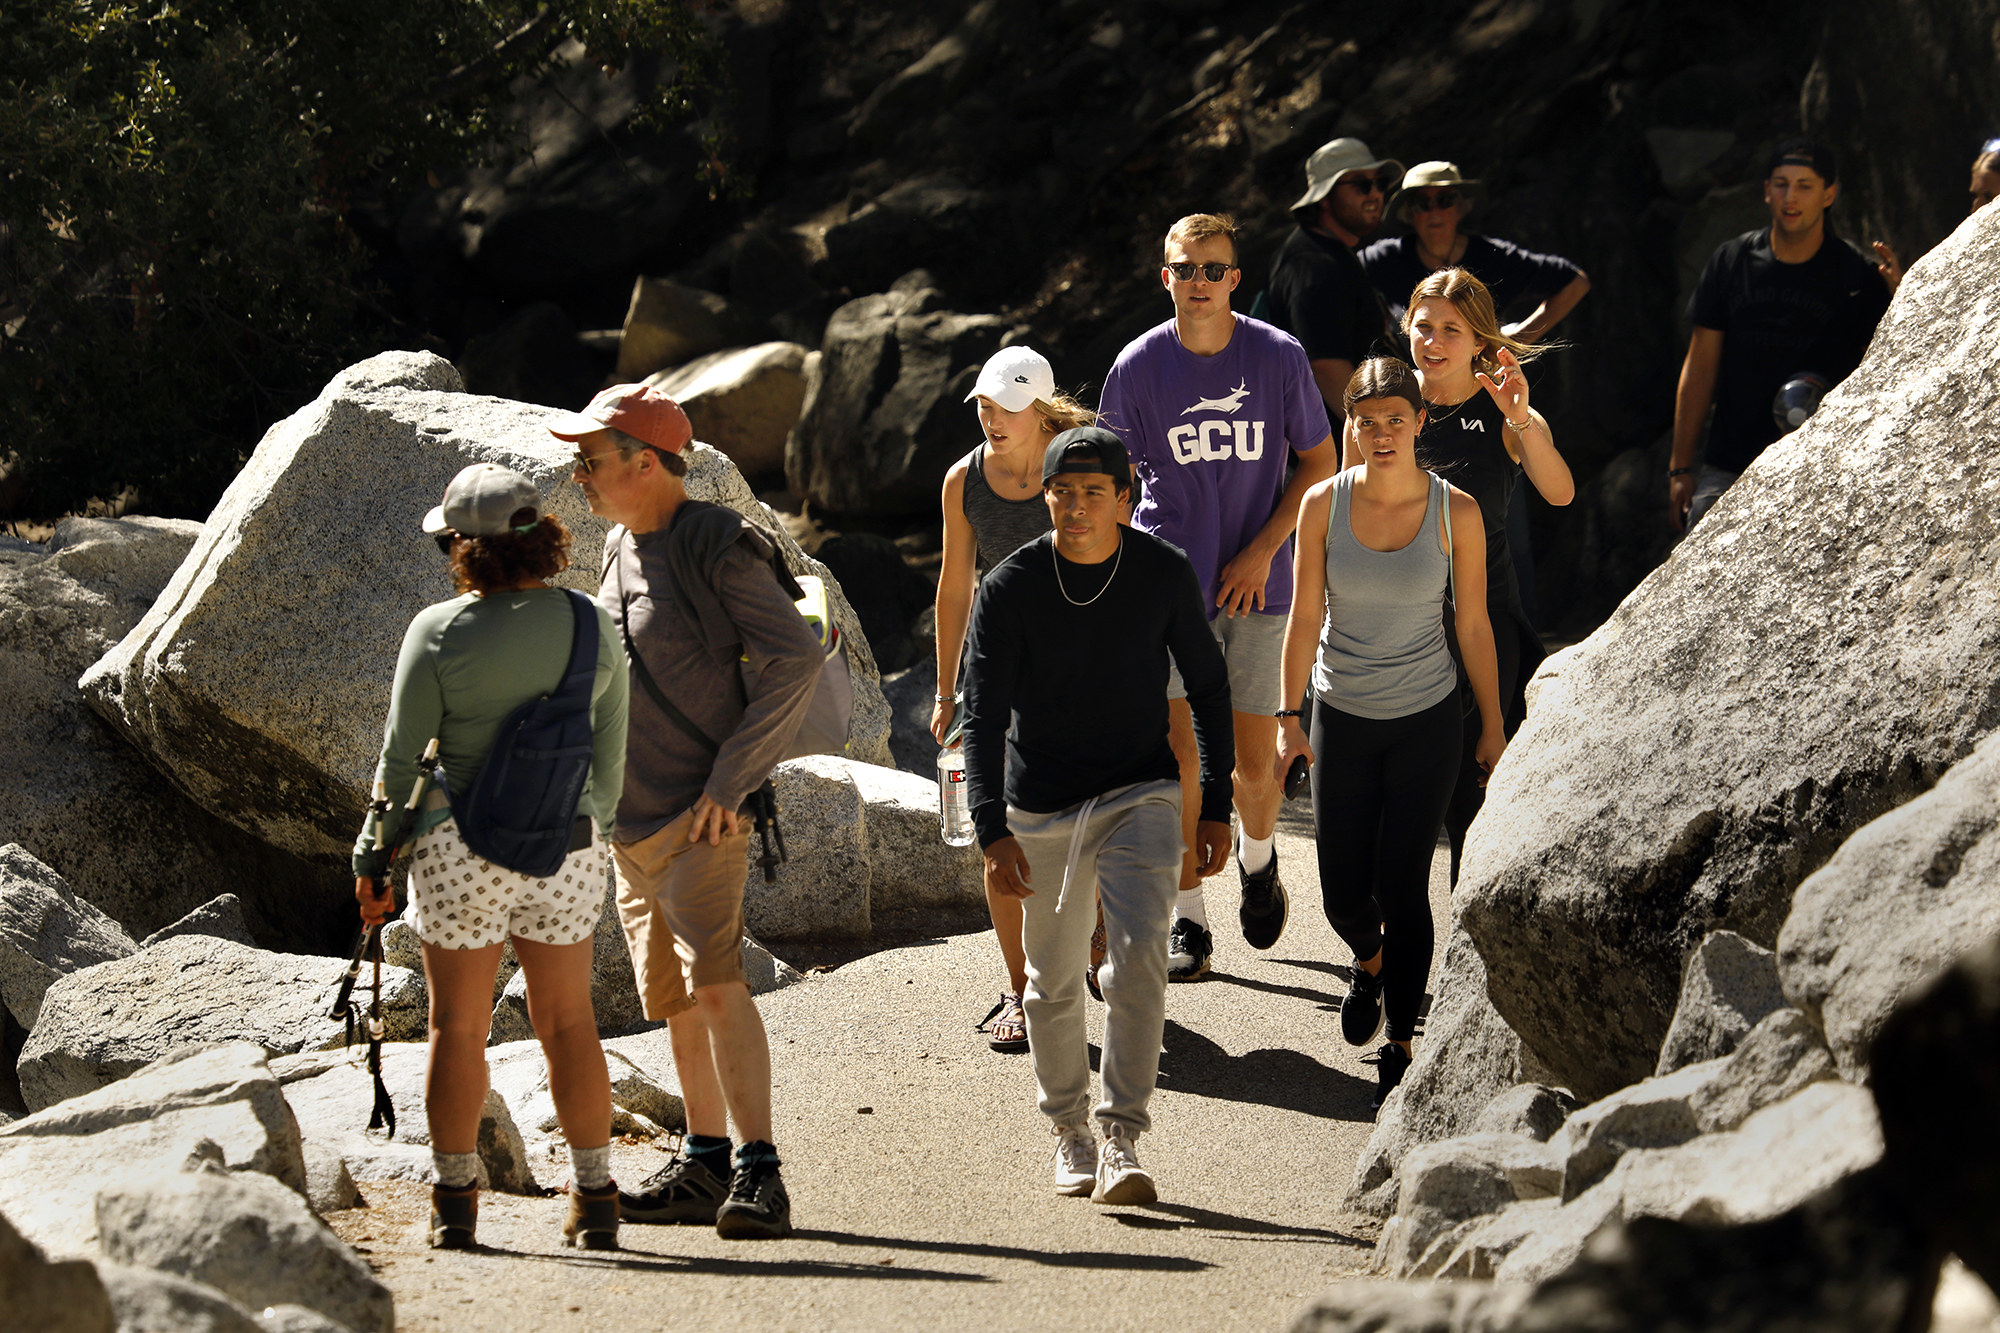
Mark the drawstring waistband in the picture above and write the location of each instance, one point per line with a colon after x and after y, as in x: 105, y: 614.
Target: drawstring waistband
x: 1075, y: 845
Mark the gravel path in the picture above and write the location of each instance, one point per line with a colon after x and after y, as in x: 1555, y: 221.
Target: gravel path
x: 919, y: 1168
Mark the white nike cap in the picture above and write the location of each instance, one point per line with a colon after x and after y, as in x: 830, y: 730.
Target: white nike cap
x: 1014, y: 378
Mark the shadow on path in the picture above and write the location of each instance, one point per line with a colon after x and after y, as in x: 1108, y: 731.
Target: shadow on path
x: 1158, y: 1263
x: 641, y: 1261
x: 1287, y: 1079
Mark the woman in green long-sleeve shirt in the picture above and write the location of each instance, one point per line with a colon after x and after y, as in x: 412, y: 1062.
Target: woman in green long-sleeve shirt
x: 465, y: 665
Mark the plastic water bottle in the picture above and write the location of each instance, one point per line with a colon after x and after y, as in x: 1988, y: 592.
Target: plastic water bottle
x: 954, y: 803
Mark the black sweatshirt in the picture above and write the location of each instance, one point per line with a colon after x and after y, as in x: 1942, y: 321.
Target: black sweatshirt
x: 1080, y: 692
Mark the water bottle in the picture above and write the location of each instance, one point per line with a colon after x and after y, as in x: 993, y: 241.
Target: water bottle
x: 954, y: 803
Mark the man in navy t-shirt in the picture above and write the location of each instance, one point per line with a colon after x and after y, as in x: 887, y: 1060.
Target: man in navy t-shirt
x: 1774, y: 304
x: 1211, y: 406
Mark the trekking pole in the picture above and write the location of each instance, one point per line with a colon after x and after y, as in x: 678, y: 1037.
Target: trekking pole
x: 382, y: 1115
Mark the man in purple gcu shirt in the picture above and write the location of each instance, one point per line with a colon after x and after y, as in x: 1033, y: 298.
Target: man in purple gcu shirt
x: 1212, y: 405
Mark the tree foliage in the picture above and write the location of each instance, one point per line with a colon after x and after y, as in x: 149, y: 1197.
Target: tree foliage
x: 178, y: 261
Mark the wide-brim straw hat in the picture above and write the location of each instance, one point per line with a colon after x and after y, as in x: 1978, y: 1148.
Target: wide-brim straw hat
x: 1334, y: 159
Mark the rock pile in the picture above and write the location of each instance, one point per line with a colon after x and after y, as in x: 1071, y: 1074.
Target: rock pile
x: 1717, y: 894
x: 242, y: 680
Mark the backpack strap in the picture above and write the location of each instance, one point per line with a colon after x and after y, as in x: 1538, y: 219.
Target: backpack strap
x: 1450, y: 550
x: 645, y: 675
x: 580, y: 674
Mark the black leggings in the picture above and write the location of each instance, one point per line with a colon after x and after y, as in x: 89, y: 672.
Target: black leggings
x: 1379, y: 792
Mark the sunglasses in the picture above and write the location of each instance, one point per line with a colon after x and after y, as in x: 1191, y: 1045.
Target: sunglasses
x: 589, y: 462
x: 1213, y: 272
x: 1430, y: 203
x: 1365, y: 184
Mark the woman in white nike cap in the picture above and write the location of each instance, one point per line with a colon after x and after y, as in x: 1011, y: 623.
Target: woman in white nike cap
x: 992, y: 506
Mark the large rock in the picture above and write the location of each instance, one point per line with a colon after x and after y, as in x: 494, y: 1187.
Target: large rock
x: 46, y: 932
x: 861, y: 838
x: 1821, y: 648
x: 221, y: 1105
x: 1777, y: 1160
x: 1651, y: 1114
x: 1468, y: 1057
x: 260, y: 677
x: 670, y: 325
x: 744, y: 401
x: 884, y: 413
x: 332, y: 1096
x: 1447, y: 1185
x: 1730, y: 986
x: 938, y: 221
x: 1936, y: 1077
x: 221, y: 918
x: 245, y: 1235
x: 44, y: 1296
x: 105, y: 1022
x: 1779, y: 1057
x: 75, y: 795
x: 1527, y: 1109
x: 146, y: 1301
x: 1896, y: 904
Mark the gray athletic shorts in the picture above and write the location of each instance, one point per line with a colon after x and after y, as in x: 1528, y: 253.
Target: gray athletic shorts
x: 1254, y: 648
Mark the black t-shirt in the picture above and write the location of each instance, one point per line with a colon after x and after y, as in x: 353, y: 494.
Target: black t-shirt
x: 1080, y: 692
x: 1320, y: 296
x: 1778, y: 320
x: 1510, y: 273
x: 1465, y: 446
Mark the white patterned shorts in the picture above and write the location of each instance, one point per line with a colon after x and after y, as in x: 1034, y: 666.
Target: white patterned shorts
x: 464, y: 901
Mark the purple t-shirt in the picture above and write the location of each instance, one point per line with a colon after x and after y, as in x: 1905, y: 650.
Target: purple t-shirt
x: 1208, y: 437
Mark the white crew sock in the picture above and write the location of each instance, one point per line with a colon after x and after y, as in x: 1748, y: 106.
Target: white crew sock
x: 1188, y: 906
x: 455, y: 1170
x: 1256, y: 853
x: 590, y: 1168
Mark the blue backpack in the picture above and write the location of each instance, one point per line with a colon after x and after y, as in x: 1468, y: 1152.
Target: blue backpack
x: 521, y: 810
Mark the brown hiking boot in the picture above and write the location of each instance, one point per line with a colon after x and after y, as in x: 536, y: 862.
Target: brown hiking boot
x: 593, y: 1218
x: 454, y: 1216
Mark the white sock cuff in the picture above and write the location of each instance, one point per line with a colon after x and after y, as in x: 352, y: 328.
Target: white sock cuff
x: 455, y: 1170
x: 1189, y: 906
x: 1256, y: 853
x: 590, y: 1168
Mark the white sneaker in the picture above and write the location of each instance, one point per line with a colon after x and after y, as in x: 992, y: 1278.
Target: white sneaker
x: 1120, y: 1178
x: 1076, y: 1161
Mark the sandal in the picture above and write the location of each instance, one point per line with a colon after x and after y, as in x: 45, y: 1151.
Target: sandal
x: 1097, y: 948
x: 1008, y: 1025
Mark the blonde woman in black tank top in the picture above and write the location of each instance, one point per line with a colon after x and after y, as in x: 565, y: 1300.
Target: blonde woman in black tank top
x: 993, y: 505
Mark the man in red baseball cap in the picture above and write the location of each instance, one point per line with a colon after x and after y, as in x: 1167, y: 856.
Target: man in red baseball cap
x: 640, y: 412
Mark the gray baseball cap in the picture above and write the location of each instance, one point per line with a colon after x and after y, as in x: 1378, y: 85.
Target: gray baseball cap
x: 482, y: 501
x: 1331, y: 161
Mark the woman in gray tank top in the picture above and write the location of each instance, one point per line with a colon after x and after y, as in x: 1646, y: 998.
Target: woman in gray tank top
x: 1381, y: 547
x: 992, y: 507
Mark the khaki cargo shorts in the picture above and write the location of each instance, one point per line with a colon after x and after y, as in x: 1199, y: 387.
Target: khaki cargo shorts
x: 681, y: 904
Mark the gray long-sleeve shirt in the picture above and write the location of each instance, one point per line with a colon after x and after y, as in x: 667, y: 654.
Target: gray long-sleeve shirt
x: 667, y: 770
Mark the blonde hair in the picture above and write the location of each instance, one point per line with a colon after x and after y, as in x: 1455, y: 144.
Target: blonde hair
x: 1204, y: 227
x: 1063, y: 413
x: 1468, y: 295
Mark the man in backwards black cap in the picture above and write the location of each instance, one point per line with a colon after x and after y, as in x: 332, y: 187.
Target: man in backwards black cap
x: 1065, y: 696
x: 1784, y: 303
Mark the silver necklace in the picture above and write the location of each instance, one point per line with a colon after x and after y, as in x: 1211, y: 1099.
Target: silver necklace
x: 1056, y: 563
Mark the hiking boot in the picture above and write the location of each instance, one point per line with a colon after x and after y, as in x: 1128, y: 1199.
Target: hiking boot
x: 454, y: 1216
x: 1005, y: 1025
x: 757, y: 1207
x: 1188, y: 948
x: 684, y: 1190
x: 1076, y: 1161
x: 1391, y: 1063
x: 1264, y: 905
x: 593, y: 1218
x: 1120, y: 1178
x: 1361, y: 1011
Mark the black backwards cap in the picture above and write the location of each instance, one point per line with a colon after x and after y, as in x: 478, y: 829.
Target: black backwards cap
x: 1088, y: 449
x: 1800, y: 152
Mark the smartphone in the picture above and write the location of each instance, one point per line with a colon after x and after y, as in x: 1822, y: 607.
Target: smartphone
x: 1296, y: 778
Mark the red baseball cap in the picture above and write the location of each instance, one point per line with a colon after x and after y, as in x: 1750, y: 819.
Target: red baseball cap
x: 640, y: 410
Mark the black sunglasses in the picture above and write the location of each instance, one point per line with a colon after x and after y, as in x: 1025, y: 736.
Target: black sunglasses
x: 1213, y: 272
x: 1365, y: 184
x: 1429, y: 203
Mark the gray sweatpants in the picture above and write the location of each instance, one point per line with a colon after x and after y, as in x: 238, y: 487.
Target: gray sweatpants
x: 1127, y: 843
